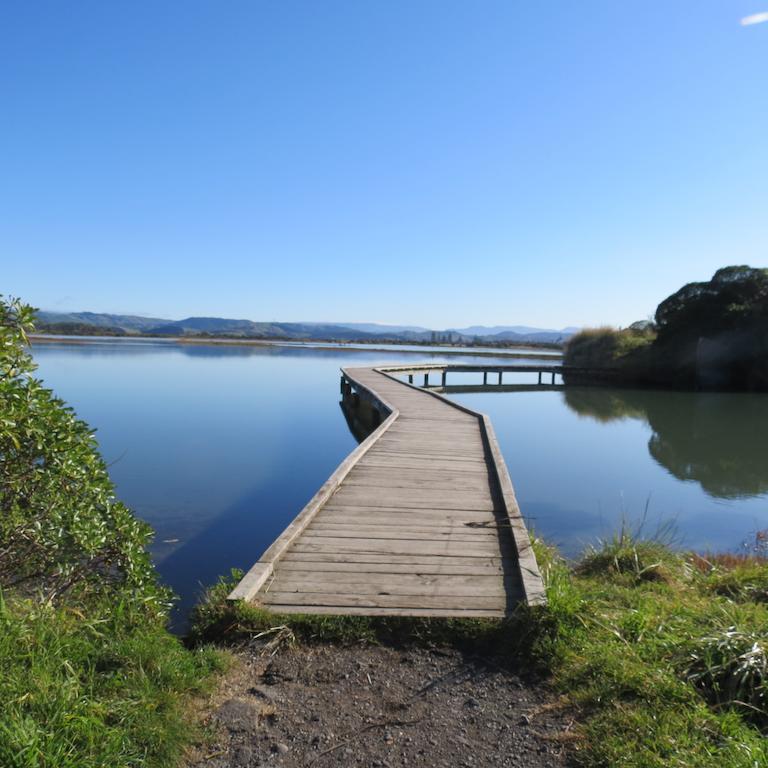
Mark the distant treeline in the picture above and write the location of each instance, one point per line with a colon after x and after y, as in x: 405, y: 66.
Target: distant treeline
x: 86, y: 329
x: 81, y: 329
x: 709, y: 335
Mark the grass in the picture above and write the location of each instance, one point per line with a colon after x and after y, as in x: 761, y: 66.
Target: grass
x: 662, y: 654
x: 96, y: 687
x: 666, y: 666
x: 607, y: 347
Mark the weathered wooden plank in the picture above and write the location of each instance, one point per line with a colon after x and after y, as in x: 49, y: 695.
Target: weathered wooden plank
x: 427, y: 480
x: 351, y: 570
x: 393, y: 533
x: 400, y: 584
x: 416, y: 560
x: 405, y: 454
x: 347, y: 610
x: 355, y: 510
x: 471, y: 444
x: 436, y: 471
x: 405, y: 498
x: 421, y: 463
x: 466, y: 602
x: 433, y: 527
x: 422, y: 524
x: 481, y: 548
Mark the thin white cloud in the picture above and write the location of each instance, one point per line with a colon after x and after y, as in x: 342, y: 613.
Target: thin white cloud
x: 755, y: 18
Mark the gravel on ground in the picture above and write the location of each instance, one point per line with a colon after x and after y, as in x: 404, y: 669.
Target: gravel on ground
x: 329, y: 705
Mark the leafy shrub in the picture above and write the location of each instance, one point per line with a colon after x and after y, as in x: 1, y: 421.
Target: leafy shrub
x: 61, y: 528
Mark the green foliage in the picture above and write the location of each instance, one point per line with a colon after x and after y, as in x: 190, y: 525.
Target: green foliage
x: 89, y: 675
x: 713, y: 335
x: 734, y: 297
x: 102, y: 688
x: 665, y: 671
x: 61, y: 528
x: 608, y: 347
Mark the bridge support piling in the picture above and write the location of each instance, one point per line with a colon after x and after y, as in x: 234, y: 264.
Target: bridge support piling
x: 426, y: 379
x: 485, y: 378
x: 499, y: 378
x: 410, y: 378
x: 445, y: 376
x: 553, y: 377
x: 539, y: 377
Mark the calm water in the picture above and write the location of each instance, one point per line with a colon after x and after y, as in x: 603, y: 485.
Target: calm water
x: 218, y: 447
x: 500, y: 352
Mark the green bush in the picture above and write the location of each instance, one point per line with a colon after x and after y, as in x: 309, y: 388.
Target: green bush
x: 89, y: 674
x: 61, y: 528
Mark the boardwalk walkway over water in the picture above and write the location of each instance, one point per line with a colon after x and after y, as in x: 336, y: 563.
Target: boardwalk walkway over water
x: 419, y: 520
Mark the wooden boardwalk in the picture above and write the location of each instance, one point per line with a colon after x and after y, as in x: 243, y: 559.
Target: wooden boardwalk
x: 419, y: 520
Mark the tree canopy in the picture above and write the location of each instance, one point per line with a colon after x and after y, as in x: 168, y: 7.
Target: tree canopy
x: 735, y: 297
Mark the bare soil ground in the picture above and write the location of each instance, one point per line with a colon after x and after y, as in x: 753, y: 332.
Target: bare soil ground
x: 377, y: 706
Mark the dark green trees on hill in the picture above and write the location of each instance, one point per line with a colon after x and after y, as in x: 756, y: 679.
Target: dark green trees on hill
x: 710, y: 335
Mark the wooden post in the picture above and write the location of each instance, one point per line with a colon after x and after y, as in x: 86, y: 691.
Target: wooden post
x: 426, y: 379
x: 553, y: 377
x: 410, y: 378
x: 445, y: 376
x: 539, y: 377
x: 485, y: 378
x: 499, y: 378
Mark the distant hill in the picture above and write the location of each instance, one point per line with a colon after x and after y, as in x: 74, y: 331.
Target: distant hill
x: 125, y: 322
x: 92, y: 322
x: 377, y: 328
x: 496, y: 330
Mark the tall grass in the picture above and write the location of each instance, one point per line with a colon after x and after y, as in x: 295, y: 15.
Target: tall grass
x: 607, y: 347
x: 102, y: 689
x: 665, y: 668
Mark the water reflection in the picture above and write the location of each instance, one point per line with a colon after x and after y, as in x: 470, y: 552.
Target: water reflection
x: 714, y: 439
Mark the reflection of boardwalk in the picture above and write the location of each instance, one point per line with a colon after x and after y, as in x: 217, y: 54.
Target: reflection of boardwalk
x: 419, y: 520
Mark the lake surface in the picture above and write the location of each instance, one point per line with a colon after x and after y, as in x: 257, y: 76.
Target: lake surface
x: 218, y: 447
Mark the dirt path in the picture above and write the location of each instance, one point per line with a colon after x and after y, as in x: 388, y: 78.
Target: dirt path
x: 380, y: 706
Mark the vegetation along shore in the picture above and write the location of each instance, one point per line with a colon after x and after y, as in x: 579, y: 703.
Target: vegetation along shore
x: 642, y: 656
x: 708, y: 335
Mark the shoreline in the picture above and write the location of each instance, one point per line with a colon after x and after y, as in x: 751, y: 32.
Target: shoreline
x: 535, y: 354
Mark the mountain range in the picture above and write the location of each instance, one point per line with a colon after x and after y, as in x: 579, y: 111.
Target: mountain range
x: 131, y: 325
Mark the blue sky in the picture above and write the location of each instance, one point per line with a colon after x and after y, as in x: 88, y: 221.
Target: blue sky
x: 437, y: 163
